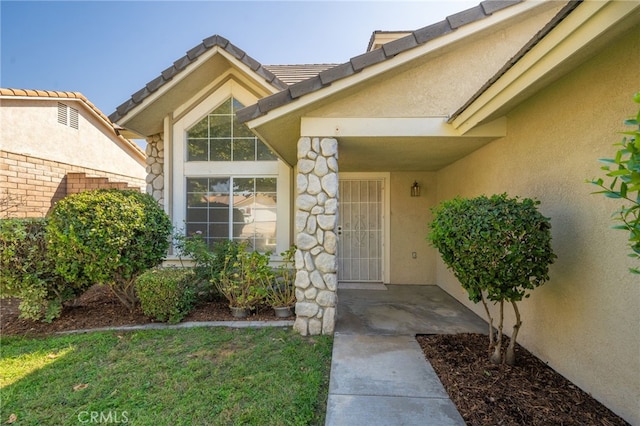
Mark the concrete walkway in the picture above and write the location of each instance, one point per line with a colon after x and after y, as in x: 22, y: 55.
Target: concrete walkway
x: 379, y: 375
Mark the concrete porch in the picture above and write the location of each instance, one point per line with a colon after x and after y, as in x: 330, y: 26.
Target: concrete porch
x: 379, y: 375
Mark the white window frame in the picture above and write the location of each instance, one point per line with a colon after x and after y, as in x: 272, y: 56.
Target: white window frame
x: 182, y: 169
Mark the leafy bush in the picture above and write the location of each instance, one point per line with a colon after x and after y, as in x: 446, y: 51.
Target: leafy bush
x: 496, y: 246
x: 108, y: 237
x: 244, y: 277
x: 208, y: 263
x: 625, y: 171
x: 28, y: 273
x: 166, y: 294
x: 281, y: 292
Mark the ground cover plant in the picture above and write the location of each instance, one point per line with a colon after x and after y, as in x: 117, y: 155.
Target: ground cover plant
x: 213, y: 376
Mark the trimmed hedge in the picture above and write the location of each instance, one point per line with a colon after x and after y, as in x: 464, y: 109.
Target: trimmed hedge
x: 166, y: 294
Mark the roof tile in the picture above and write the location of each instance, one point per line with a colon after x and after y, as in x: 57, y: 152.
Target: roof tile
x: 367, y: 59
x: 430, y: 32
x: 336, y: 73
x: 140, y: 95
x: 196, y: 51
x: 154, y: 84
x: 235, y: 50
x: 491, y: 6
x: 248, y: 113
x: 169, y: 73
x: 250, y: 62
x: 182, y: 63
x: 305, y: 86
x: 394, y: 47
x: 466, y: 17
x: 274, y: 101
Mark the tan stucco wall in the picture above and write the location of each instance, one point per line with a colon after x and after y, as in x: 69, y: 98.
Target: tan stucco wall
x: 452, y: 77
x: 31, y: 128
x: 584, y: 321
x: 409, y: 218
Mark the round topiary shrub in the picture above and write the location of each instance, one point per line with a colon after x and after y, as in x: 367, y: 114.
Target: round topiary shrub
x: 499, y: 248
x: 108, y: 237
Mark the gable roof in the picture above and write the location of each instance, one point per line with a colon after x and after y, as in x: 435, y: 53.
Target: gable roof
x: 187, y: 60
x: 386, y: 52
x: 75, y: 96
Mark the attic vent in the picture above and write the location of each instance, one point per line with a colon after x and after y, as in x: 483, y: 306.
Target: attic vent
x: 67, y: 115
x: 62, y: 113
x: 73, y: 119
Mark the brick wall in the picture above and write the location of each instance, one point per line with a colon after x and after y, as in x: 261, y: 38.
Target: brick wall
x: 30, y: 186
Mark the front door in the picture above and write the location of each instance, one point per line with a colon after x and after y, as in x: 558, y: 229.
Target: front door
x: 360, y: 230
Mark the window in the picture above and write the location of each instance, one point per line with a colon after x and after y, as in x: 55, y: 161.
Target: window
x: 233, y: 208
x: 219, y: 137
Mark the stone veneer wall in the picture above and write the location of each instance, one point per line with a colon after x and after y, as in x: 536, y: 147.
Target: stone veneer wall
x: 315, y: 228
x: 155, y: 167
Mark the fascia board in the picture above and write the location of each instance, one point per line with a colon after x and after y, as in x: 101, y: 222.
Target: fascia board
x: 580, y: 28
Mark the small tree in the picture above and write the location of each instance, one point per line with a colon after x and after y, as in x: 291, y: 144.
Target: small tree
x: 499, y: 248
x: 108, y: 237
x: 625, y: 171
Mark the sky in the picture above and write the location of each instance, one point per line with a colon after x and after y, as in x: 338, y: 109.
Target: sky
x: 108, y: 50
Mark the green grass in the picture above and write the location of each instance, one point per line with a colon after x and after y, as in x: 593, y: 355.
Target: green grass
x: 199, y: 376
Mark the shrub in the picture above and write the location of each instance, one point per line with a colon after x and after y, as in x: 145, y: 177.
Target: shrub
x: 29, y: 274
x: 108, y: 237
x: 166, y: 294
x: 208, y: 263
x: 625, y: 185
x: 496, y: 246
x: 244, y: 277
x: 281, y: 292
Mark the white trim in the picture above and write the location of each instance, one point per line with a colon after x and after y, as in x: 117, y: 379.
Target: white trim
x: 394, y: 127
x: 385, y: 177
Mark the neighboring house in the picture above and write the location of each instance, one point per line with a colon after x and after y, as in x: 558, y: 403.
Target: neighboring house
x: 516, y: 97
x: 58, y: 143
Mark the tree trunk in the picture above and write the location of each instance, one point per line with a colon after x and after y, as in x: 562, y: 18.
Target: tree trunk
x: 511, y: 354
x: 496, y: 358
x: 490, y: 318
x: 125, y: 292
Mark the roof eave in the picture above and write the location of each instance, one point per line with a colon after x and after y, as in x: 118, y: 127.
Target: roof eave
x: 576, y: 26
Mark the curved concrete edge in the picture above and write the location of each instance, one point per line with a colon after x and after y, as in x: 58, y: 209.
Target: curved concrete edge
x: 191, y: 324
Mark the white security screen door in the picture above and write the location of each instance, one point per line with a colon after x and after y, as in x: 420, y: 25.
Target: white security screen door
x: 360, y: 230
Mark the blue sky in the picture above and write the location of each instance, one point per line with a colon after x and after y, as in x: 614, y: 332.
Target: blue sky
x: 110, y: 49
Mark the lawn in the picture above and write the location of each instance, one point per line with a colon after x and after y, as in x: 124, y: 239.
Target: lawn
x: 199, y: 376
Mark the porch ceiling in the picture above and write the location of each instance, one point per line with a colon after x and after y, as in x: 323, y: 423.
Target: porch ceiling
x: 360, y: 154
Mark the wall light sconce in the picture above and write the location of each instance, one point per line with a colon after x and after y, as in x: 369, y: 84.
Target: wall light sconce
x: 415, y: 189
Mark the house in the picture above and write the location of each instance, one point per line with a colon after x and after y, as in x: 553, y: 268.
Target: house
x: 508, y: 96
x: 58, y: 143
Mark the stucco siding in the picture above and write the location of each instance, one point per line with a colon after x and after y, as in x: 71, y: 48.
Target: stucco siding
x: 584, y: 321
x: 409, y: 218
x: 439, y: 83
x: 31, y: 128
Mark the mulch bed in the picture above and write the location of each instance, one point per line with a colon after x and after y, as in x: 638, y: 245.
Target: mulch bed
x: 529, y: 393
x: 98, y: 307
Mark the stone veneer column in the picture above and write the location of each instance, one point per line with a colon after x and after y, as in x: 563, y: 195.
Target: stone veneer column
x: 315, y: 227
x: 155, y: 167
